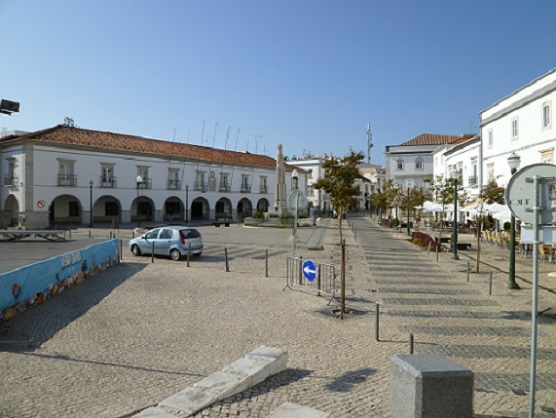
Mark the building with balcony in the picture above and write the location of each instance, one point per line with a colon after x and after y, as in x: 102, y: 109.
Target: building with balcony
x: 522, y: 123
x: 68, y: 175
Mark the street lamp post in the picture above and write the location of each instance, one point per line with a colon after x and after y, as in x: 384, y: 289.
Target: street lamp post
x: 455, y: 223
x: 139, y: 181
x: 295, y: 179
x: 513, y: 162
x: 91, y: 204
x: 186, y: 203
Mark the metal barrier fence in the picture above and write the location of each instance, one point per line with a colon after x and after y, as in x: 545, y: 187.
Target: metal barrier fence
x: 324, y: 282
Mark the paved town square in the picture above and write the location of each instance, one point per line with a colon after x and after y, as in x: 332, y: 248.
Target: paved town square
x: 130, y: 337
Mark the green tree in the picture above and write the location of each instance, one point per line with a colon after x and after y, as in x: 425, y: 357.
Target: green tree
x: 339, y: 183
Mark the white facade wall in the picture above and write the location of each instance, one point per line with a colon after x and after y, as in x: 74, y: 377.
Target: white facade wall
x: 37, y: 169
x: 462, y: 158
x: 534, y: 143
x: 417, y: 164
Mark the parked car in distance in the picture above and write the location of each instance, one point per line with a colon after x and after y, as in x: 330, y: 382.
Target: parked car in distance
x: 172, y: 241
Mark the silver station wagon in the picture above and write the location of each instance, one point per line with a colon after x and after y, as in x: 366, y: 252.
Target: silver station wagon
x: 172, y: 241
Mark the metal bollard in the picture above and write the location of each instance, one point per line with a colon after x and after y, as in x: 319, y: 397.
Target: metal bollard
x: 377, y: 322
x: 90, y: 234
x: 436, y: 247
x: 121, y: 250
x: 490, y: 285
x: 188, y: 253
x: 468, y: 269
x: 300, y: 270
x: 429, y: 248
x: 266, y: 264
x: 226, y: 256
x: 69, y: 234
x: 411, y: 343
x: 152, y: 253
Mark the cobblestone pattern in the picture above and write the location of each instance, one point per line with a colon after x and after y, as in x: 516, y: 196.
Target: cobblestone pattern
x: 139, y: 332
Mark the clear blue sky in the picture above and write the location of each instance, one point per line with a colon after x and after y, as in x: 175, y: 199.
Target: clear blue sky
x: 309, y: 74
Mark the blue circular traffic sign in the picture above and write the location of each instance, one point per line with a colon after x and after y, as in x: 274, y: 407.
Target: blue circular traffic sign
x: 309, y: 270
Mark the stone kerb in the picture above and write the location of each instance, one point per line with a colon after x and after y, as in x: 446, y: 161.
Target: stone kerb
x: 244, y: 373
x: 430, y: 386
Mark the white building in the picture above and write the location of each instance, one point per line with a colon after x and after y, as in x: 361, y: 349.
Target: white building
x: 522, y: 123
x: 460, y: 159
x: 65, y: 175
x: 411, y: 164
x: 313, y: 167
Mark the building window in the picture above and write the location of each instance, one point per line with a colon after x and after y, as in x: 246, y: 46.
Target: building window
x: 200, y: 184
x: 73, y: 209
x: 174, y: 182
x: 547, y: 156
x: 107, y: 178
x: 10, y: 179
x: 490, y: 138
x: 473, y: 177
x: 264, y: 188
x: 490, y: 172
x: 515, y: 128
x: 419, y: 164
x: 400, y: 165
x: 245, y: 186
x: 546, y: 115
x: 143, y: 175
x: 225, y: 186
x: 65, y: 173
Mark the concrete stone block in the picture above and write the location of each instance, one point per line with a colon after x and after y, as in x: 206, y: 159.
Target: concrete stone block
x: 291, y: 410
x: 430, y: 386
x: 190, y: 400
x: 223, y: 384
x: 154, y: 412
x: 279, y: 358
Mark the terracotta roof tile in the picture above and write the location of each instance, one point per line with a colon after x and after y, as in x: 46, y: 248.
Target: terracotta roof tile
x: 133, y: 144
x: 436, y: 139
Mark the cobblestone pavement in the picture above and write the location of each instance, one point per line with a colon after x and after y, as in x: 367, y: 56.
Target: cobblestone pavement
x: 130, y: 337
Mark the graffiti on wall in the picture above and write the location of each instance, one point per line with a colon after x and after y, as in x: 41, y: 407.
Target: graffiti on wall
x: 33, y: 284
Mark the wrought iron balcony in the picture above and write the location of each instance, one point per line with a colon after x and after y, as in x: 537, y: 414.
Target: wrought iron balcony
x: 67, y: 180
x: 245, y: 188
x: 225, y: 187
x: 200, y: 186
x: 145, y: 184
x: 10, y: 180
x: 173, y: 184
x: 107, y: 182
x: 472, y: 180
x: 263, y: 188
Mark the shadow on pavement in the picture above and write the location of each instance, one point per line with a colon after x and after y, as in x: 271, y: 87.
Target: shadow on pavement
x: 35, y: 326
x: 348, y: 380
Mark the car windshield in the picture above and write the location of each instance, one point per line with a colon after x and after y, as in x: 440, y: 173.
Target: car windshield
x: 190, y: 233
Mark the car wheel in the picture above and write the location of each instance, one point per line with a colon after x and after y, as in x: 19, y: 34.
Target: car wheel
x: 175, y: 255
x: 135, y: 250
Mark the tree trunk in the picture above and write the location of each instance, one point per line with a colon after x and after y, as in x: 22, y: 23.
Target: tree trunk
x: 479, y: 228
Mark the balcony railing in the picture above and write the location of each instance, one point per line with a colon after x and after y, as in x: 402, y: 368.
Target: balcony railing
x: 67, y: 180
x: 145, y: 184
x: 263, y: 188
x: 472, y: 180
x: 107, y: 182
x: 200, y: 186
x: 245, y: 188
x: 225, y: 187
x: 10, y: 180
x: 173, y: 184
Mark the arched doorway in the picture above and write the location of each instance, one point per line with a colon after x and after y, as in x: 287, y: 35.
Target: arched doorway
x: 244, y: 209
x: 223, y: 208
x: 10, y: 217
x: 142, y: 210
x: 65, y: 209
x: 173, y: 209
x: 107, y: 209
x: 199, y: 209
x: 262, y: 205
